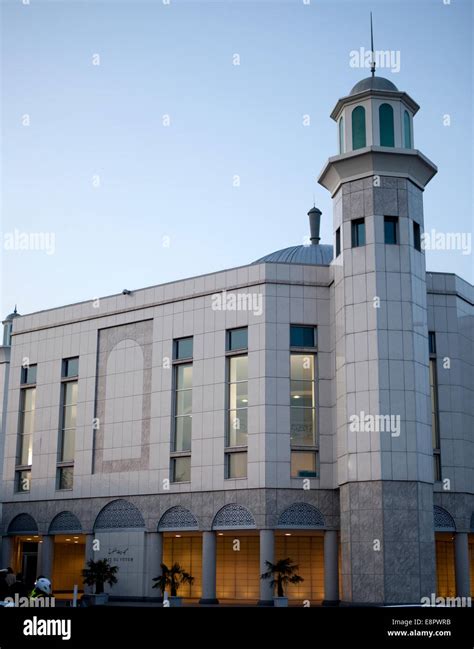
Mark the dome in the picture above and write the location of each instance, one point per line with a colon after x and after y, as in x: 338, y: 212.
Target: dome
x: 316, y: 255
x: 12, y: 316
x: 373, y: 83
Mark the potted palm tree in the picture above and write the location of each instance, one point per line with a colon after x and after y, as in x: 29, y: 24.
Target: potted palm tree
x: 281, y: 573
x: 172, y: 578
x: 98, y: 573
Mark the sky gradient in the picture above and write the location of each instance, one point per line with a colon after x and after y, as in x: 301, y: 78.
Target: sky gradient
x: 156, y: 181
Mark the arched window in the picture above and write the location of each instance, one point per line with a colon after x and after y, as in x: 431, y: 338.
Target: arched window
x: 341, y: 135
x: 358, y: 128
x: 407, y: 130
x: 387, y: 137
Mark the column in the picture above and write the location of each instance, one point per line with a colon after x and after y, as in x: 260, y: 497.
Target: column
x: 153, y: 561
x: 331, y: 572
x: 45, y: 557
x: 7, y: 549
x: 209, y: 545
x: 461, y: 563
x: 267, y: 553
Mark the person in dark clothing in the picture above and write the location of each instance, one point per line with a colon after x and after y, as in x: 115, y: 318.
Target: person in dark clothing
x: 19, y: 587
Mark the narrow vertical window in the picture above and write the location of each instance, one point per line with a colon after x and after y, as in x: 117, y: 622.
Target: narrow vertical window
x: 416, y: 236
x: 390, y: 224
x: 341, y: 135
x: 358, y: 233
x: 182, y: 409
x: 338, y: 242
x: 434, y: 408
x: 303, y: 418
x: 237, y: 404
x: 407, y: 130
x: 67, y: 433
x: 358, y: 128
x: 387, y: 135
x: 26, y: 428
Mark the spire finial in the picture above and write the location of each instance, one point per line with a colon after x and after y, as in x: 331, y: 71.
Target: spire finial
x: 15, y: 311
x: 372, y: 67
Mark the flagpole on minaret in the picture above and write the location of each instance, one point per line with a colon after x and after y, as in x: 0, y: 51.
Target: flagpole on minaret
x: 372, y: 67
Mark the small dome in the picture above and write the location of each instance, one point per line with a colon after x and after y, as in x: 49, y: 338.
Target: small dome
x: 12, y: 316
x: 373, y: 83
x: 316, y: 255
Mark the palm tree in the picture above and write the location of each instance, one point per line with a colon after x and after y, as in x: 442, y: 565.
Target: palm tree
x: 173, y: 577
x: 282, y: 572
x: 98, y: 573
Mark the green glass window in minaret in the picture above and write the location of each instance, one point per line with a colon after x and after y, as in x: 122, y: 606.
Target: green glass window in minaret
x: 341, y: 135
x: 407, y: 129
x: 387, y: 137
x: 358, y: 128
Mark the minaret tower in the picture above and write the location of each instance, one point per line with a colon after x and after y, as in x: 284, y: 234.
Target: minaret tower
x: 383, y: 421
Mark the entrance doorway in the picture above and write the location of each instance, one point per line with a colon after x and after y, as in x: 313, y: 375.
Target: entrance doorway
x: 25, y: 558
x: 68, y: 562
x: 445, y: 574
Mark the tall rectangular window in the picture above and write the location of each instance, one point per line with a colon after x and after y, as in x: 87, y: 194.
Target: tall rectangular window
x: 432, y: 342
x: 338, y: 242
x: 416, y: 236
x: 26, y: 429
x: 237, y: 404
x: 303, y: 416
x: 67, y: 433
x: 434, y: 409
x: 390, y: 224
x: 358, y: 232
x: 182, y: 410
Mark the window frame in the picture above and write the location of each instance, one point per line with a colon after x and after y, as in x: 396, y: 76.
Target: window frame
x: 407, y: 130
x: 355, y: 235
x: 434, y: 409
x: 228, y: 335
x: 241, y: 448
x: 386, y: 125
x: 314, y: 448
x: 359, y: 139
x: 26, y: 386
x: 417, y: 236
x: 174, y: 454
x: 62, y: 464
x: 393, y: 220
x: 337, y: 246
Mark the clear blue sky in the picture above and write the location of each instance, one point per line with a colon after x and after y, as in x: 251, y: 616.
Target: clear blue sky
x: 177, y: 181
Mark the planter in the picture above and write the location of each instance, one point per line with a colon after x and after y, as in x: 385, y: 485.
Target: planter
x: 176, y: 601
x: 90, y: 599
x: 280, y: 602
